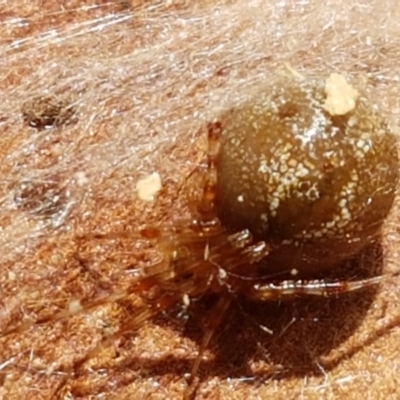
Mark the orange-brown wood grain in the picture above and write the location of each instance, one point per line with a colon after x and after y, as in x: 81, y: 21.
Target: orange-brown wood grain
x: 143, y: 80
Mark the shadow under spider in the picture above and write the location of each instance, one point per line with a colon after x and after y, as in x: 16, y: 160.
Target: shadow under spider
x: 304, y: 332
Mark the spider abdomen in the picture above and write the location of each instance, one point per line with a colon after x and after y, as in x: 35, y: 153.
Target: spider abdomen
x: 314, y: 179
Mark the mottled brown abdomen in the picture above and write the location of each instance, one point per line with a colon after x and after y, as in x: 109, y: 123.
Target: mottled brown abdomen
x: 313, y: 183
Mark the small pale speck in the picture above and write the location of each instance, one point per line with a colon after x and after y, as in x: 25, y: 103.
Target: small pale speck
x: 186, y: 300
x: 74, y: 306
x: 360, y: 143
x: 342, y: 203
x: 340, y: 96
x: 81, y: 178
x: 264, y: 217
x: 11, y: 276
x: 263, y: 168
x: 330, y: 224
x: 148, y: 187
x: 283, y: 168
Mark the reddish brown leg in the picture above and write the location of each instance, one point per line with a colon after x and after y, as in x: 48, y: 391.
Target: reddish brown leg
x: 319, y: 287
x: 216, y: 315
x: 25, y: 325
x: 206, y: 207
x: 147, y: 312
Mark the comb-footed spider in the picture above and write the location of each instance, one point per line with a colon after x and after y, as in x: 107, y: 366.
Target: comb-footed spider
x: 298, y: 178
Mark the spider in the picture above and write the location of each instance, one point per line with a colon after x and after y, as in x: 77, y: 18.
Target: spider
x: 297, y: 179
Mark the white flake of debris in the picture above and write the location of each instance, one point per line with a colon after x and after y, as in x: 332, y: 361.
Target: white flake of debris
x: 340, y: 96
x: 148, y: 187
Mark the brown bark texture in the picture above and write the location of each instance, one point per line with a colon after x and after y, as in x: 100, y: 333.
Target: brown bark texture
x: 97, y: 97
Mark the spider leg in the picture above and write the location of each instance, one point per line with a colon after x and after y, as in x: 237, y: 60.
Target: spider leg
x: 63, y: 315
x: 206, y: 207
x: 214, y: 321
x: 147, y: 312
x: 318, y: 287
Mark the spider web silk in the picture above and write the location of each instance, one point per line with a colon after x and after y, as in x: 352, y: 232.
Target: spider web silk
x: 144, y: 78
